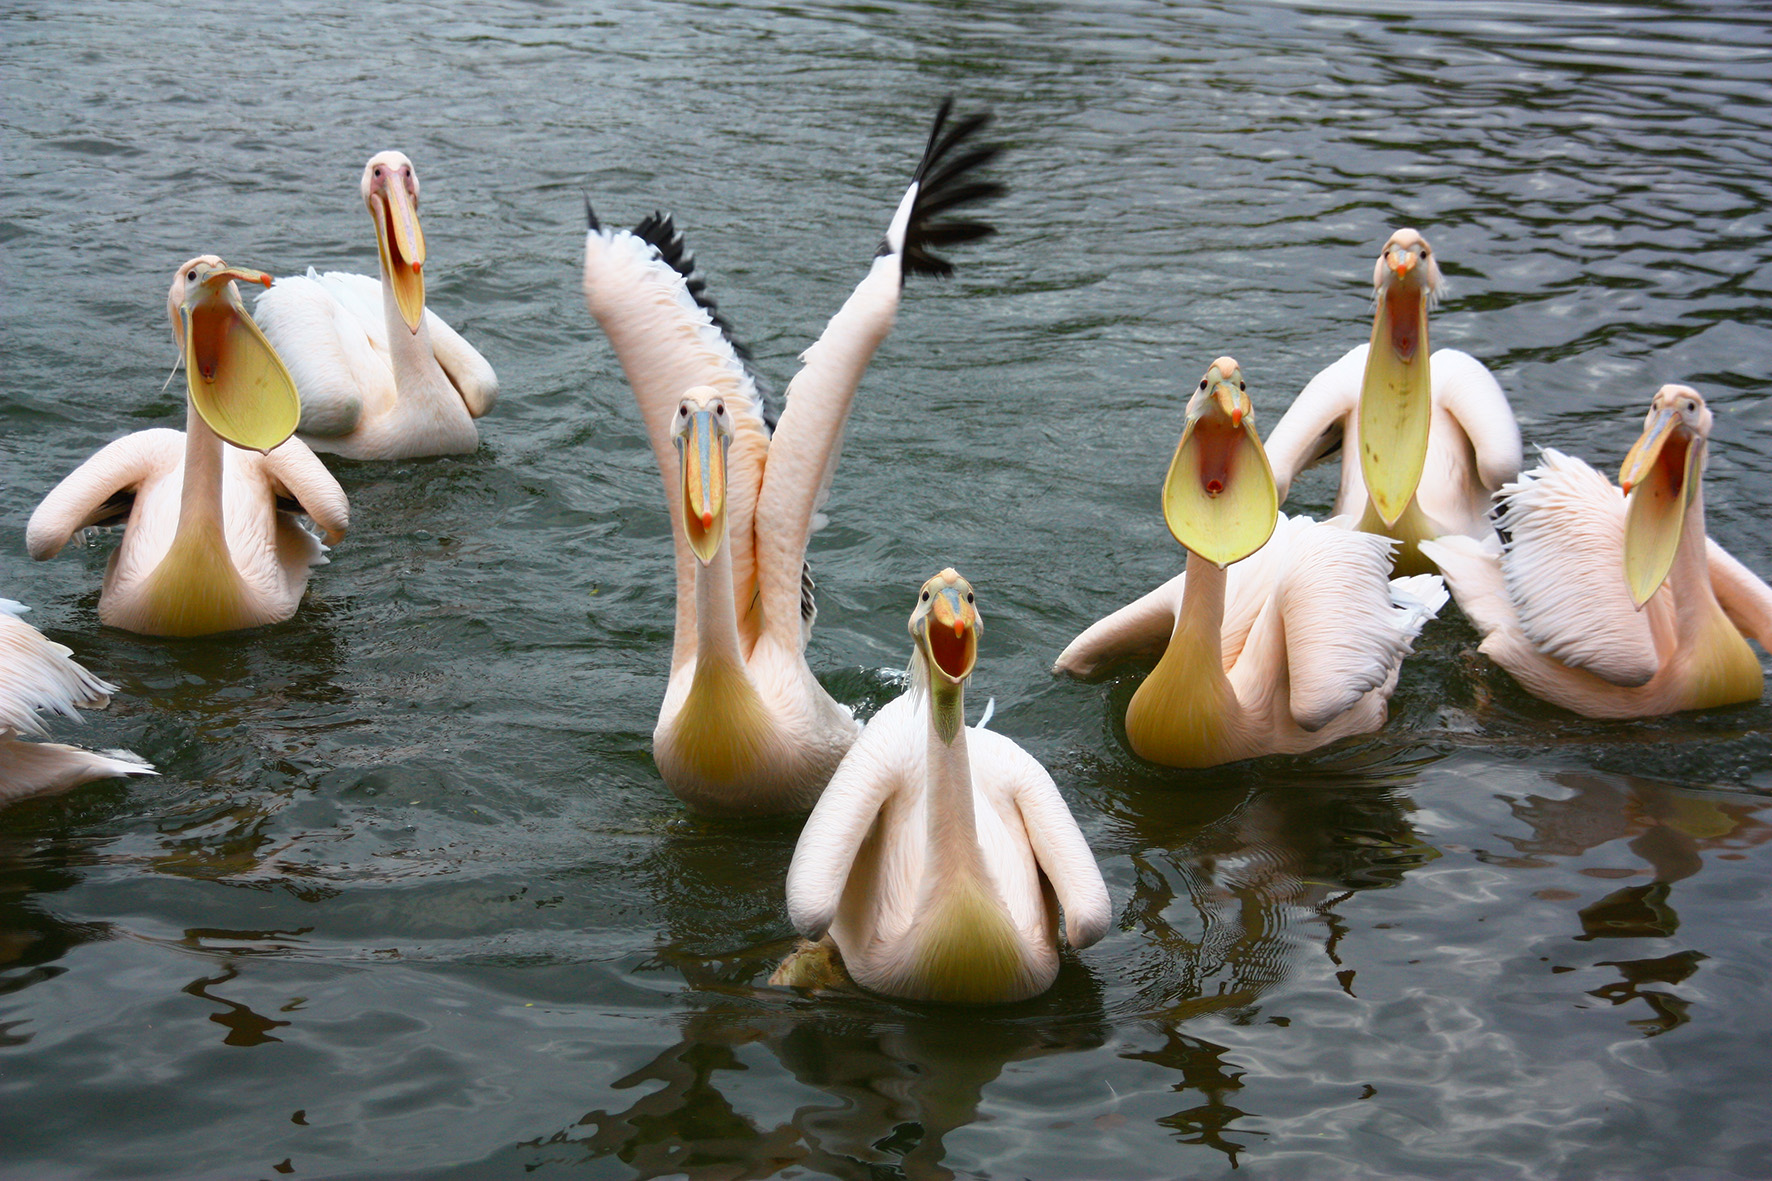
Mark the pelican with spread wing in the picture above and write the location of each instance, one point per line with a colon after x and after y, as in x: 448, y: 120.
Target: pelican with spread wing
x: 1614, y: 603
x: 380, y: 375
x: 745, y: 727
x: 1434, y: 434
x: 211, y: 541
x: 1297, y: 644
x: 38, y: 674
x: 938, y: 856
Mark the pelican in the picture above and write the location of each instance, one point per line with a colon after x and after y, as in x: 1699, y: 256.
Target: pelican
x: 1296, y: 645
x: 36, y: 673
x: 1612, y: 602
x: 212, y: 542
x: 745, y: 727
x: 380, y: 375
x: 1435, y: 435
x: 937, y: 856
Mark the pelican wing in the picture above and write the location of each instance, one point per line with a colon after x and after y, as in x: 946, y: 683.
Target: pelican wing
x: 1057, y: 842
x: 1311, y: 430
x: 803, y: 455
x: 1347, y: 626
x: 1744, y: 597
x: 1470, y: 393
x: 874, y: 769
x: 300, y: 474
x: 331, y: 334
x: 469, y: 372
x: 1140, y: 629
x: 100, y: 490
x: 643, y: 291
x: 40, y: 674
x: 1563, y: 565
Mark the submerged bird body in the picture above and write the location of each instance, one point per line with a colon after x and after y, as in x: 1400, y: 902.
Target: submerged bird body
x: 1425, y: 440
x: 211, y: 541
x: 380, y: 375
x: 1557, y: 603
x: 37, y: 674
x: 745, y: 727
x: 1297, y: 644
x: 937, y: 857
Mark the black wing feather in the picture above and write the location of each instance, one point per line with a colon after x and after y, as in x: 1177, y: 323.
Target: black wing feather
x: 946, y: 179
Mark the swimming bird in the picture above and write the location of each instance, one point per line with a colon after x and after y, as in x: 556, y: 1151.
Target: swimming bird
x: 380, y: 375
x: 1296, y: 645
x: 745, y: 727
x: 212, y: 542
x: 937, y: 857
x: 1612, y: 602
x: 1434, y: 434
x: 36, y: 673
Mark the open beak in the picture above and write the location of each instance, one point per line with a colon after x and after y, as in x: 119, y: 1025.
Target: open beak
x: 237, y: 383
x: 402, y: 245
x: 703, y: 460
x: 1660, y: 478
x: 950, y: 635
x: 1396, y: 401
x: 1219, y: 497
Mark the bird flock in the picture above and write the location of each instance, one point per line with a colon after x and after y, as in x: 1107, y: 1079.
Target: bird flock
x: 937, y: 858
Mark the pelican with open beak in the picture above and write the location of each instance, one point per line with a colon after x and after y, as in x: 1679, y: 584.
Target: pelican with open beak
x: 208, y: 547
x: 1612, y: 602
x: 924, y: 866
x: 380, y: 375
x: 1282, y: 634
x: 1434, y: 435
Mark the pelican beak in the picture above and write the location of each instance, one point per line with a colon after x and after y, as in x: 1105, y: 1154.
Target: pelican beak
x: 236, y: 381
x: 402, y: 246
x: 1219, y: 497
x: 702, y: 455
x: 1660, y: 478
x: 950, y: 635
x: 1396, y: 400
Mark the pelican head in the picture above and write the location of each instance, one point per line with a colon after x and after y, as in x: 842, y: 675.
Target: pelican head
x: 390, y: 189
x: 702, y: 431
x: 946, y: 627
x: 1219, y: 497
x: 1660, y: 478
x: 1396, y: 402
x: 235, y: 380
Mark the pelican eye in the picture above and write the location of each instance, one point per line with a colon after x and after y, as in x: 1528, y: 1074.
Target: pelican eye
x: 925, y: 596
x: 969, y: 596
x: 1242, y: 387
x: 191, y: 277
x: 1691, y: 407
x: 1202, y: 383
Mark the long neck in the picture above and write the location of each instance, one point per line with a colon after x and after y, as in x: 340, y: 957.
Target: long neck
x: 196, y: 588
x: 1689, y: 577
x: 1200, y: 622
x: 200, y: 502
x: 953, y: 829
x: 416, y: 372
x: 1186, y: 710
x: 716, y: 612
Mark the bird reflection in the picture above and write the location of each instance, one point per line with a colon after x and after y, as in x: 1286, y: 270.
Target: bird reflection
x: 1670, y: 829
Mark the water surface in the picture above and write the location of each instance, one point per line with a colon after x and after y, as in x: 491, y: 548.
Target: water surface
x: 409, y: 899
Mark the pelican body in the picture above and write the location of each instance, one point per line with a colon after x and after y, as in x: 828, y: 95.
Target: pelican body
x: 380, y: 375
x: 745, y: 727
x: 1296, y: 644
x: 1614, y: 603
x: 212, y: 542
x: 37, y: 674
x: 937, y: 856
x: 1434, y: 435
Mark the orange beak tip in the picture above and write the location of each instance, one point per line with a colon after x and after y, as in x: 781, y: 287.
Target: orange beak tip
x: 1237, y: 417
x: 959, y: 629
x: 707, y: 519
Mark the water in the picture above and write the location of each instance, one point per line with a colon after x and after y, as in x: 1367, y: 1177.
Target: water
x: 409, y: 899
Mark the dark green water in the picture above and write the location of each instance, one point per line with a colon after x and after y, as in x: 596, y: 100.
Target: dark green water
x: 409, y: 899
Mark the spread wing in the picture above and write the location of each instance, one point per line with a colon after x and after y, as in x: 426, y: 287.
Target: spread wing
x: 40, y: 674
x: 1058, y: 843
x: 1470, y: 393
x: 101, y: 490
x: 1311, y: 430
x: 1563, y: 564
x: 301, y: 475
x: 803, y: 455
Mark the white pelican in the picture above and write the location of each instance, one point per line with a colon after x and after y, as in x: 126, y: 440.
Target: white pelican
x: 1615, y: 604
x: 36, y: 673
x: 380, y: 376
x: 1296, y: 646
x: 938, y: 855
x: 1434, y: 435
x: 745, y: 727
x: 212, y: 543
